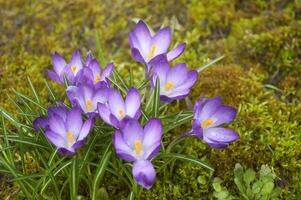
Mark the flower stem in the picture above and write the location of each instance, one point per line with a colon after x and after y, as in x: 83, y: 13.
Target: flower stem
x: 178, y: 139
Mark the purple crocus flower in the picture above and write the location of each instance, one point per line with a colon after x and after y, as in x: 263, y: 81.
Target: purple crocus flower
x: 92, y: 74
x: 87, y: 96
x: 61, y: 68
x: 138, y: 145
x: 175, y: 83
x: 208, y: 116
x: 65, y: 128
x: 146, y: 47
x: 117, y: 111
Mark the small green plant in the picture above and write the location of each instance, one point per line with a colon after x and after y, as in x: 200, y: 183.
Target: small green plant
x: 249, y: 185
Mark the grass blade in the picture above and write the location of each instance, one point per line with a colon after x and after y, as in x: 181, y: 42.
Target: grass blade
x: 100, y: 172
x: 202, y: 68
x: 188, y: 158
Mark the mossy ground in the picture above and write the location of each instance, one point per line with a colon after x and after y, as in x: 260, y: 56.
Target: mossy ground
x: 260, y: 74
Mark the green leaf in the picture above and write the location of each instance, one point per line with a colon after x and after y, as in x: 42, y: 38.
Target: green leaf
x: 102, y: 194
x: 267, y: 188
x: 100, y: 172
x: 238, y: 171
x: 74, y: 179
x: 33, y: 90
x: 217, y: 185
x: 187, y: 158
x: 249, y: 176
x: 99, y: 51
x: 202, y: 68
x: 256, y: 187
x: 156, y: 99
x: 222, y: 194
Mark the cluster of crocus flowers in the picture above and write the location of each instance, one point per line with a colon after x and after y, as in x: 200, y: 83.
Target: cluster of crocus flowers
x: 77, y: 73
x: 91, y: 94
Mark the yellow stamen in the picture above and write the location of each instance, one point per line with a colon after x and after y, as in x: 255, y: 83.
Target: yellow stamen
x: 137, y: 146
x: 73, y: 68
x: 121, y: 113
x: 89, y: 104
x: 97, y: 78
x: 70, y: 137
x: 207, y: 122
x: 152, y: 51
x: 169, y: 85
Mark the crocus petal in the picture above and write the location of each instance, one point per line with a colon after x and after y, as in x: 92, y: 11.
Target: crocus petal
x: 144, y: 173
x: 224, y: 115
x: 84, y: 76
x: 218, y: 145
x: 178, y: 75
x: 100, y: 96
x: 85, y: 129
x: 56, y: 139
x: 104, y: 113
x: 107, y: 71
x: 67, y: 151
x: 160, y: 70
x: 88, y: 59
x: 78, y: 144
x: 76, y: 61
x: 53, y: 76
x: 143, y: 36
x: 137, y: 55
x: 220, y: 135
x: 132, y: 102
x: 198, y: 106
x: 132, y: 132
x: 197, y: 129
x: 161, y: 40
x: 176, y: 52
x: 116, y: 104
x: 76, y: 97
x: 152, y: 138
x: 191, y: 78
x: 95, y: 67
x: 56, y: 124
x: 58, y: 63
x: 210, y: 107
x: 40, y: 122
x: 122, y: 149
x: 74, y: 121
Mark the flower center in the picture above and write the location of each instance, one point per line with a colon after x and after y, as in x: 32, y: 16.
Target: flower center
x: 97, y: 78
x: 137, y: 146
x: 121, y: 113
x: 169, y: 85
x: 70, y: 137
x: 152, y: 52
x: 89, y: 105
x: 207, y: 122
x: 73, y: 68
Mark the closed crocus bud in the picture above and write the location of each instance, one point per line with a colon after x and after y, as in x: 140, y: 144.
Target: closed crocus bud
x: 144, y: 173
